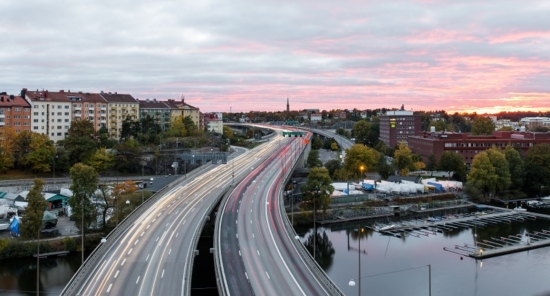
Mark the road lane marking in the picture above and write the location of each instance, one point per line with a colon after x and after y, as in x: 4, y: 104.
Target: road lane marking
x: 147, y: 257
x: 253, y: 236
x: 177, y: 234
x: 240, y: 253
x: 159, y: 214
x: 258, y: 252
x: 167, y: 224
x: 170, y: 252
x: 267, y: 275
x: 250, y: 221
x: 157, y: 239
x: 109, y: 289
x: 192, y: 210
x: 183, y: 222
x: 235, y: 221
x: 142, y: 233
x: 129, y: 252
x: 116, y: 274
x: 137, y: 281
x: 162, y: 275
x: 136, y: 242
x: 236, y: 235
x: 123, y: 261
x: 246, y: 275
x: 154, y: 220
x: 148, y: 226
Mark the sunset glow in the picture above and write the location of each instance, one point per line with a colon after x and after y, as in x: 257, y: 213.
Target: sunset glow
x: 482, y: 57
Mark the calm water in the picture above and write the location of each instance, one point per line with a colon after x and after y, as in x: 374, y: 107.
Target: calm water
x: 18, y: 276
x: 524, y: 273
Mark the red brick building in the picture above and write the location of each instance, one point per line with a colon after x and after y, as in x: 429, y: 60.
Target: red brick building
x: 397, y: 126
x: 468, y: 146
x: 15, y: 112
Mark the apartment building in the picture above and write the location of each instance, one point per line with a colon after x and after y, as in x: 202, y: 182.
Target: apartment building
x: 15, y: 113
x: 158, y: 110
x: 213, y: 122
x: 51, y: 113
x: 120, y: 107
x: 88, y: 106
x: 179, y: 110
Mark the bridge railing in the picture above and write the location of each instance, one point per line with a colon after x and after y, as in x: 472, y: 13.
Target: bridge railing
x: 90, y: 265
x: 313, y: 266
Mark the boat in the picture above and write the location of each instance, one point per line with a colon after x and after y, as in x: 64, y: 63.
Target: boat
x: 386, y: 227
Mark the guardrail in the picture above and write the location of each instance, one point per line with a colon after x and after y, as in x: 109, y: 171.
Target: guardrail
x: 318, y: 272
x: 222, y: 289
x: 74, y: 286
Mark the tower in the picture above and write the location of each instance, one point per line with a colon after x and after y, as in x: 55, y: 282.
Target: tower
x: 287, y: 106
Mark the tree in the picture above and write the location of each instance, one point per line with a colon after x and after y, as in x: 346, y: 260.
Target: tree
x: 126, y: 156
x: 334, y: 146
x: 80, y: 141
x: 7, y: 138
x: 432, y: 163
x: 318, y: 188
x: 227, y: 133
x: 101, y: 160
x: 84, y: 184
x: 333, y: 165
x: 498, y: 160
x: 384, y: 169
x: 482, y: 173
x: 177, y: 129
x: 190, y: 127
x: 537, y: 176
x: 341, y: 131
x: 361, y: 130
x: 316, y: 143
x: 31, y: 223
x: 402, y: 159
x: 439, y: 125
x: 515, y: 167
x: 451, y: 162
x: 506, y: 129
x: 482, y: 126
x: 313, y: 159
x: 360, y: 156
x: 34, y: 150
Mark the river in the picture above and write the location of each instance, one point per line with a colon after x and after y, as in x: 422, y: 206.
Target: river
x: 399, y: 266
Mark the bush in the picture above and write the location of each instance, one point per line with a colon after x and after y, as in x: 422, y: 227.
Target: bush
x: 70, y: 244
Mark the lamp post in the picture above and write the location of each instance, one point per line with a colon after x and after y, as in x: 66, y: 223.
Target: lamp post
x: 352, y: 282
x: 361, y: 168
x: 142, y: 179
x: 292, y: 200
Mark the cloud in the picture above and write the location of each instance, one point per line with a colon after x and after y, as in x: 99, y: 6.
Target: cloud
x: 251, y: 55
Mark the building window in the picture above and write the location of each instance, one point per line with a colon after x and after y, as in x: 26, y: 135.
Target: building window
x: 35, y: 106
x: 66, y: 113
x: 59, y: 120
x: 66, y: 120
x: 59, y: 113
x: 35, y: 113
x: 59, y: 134
x: 26, y: 109
x: 35, y: 120
x: 17, y: 109
x: 59, y: 107
x: 35, y: 127
x: 67, y: 107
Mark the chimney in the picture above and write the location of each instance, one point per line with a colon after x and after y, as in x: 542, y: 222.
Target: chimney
x: 116, y: 93
x: 23, y: 92
x: 61, y: 91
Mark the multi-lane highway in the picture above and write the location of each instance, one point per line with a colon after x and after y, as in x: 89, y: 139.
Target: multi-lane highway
x: 257, y: 254
x: 153, y: 254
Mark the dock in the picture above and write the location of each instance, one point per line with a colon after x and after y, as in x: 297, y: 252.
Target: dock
x: 50, y: 254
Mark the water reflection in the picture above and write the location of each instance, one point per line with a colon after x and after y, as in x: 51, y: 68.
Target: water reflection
x: 451, y: 275
x: 18, y: 276
x: 324, y: 251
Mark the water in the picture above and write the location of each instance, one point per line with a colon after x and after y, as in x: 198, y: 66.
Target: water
x: 386, y: 260
x: 18, y: 276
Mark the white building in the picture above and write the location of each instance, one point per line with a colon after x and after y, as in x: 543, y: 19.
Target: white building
x: 51, y: 113
x: 316, y: 117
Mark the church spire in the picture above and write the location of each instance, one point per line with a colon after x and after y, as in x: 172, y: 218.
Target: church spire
x: 287, y: 105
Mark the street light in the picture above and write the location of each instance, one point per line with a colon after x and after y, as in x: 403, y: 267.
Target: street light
x: 292, y: 200
x: 361, y: 168
x: 352, y: 282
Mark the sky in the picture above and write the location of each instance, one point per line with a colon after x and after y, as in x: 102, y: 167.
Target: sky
x: 458, y: 56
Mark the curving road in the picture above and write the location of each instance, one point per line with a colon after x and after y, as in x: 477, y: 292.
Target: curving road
x: 154, y: 254
x: 257, y: 256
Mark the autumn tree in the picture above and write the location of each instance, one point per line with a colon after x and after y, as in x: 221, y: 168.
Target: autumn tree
x: 498, y: 160
x: 361, y: 130
x: 101, y: 160
x: 360, y: 156
x: 34, y: 151
x: 489, y: 171
x: 318, y: 188
x: 482, y: 126
x: 31, y: 223
x: 7, y: 138
x: 402, y: 159
x: 313, y: 159
x: 85, y: 180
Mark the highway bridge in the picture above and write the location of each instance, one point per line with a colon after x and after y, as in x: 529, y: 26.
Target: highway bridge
x: 151, y: 252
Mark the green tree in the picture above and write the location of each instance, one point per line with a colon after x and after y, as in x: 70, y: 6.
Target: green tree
x: 34, y: 150
x: 358, y: 156
x: 515, y: 167
x: 190, y: 127
x: 101, y: 160
x: 334, y: 146
x: 382, y: 166
x: 227, y: 133
x: 31, y: 223
x: 343, y: 132
x: 7, y: 138
x: 482, y: 126
x: 313, y: 159
x: 84, y: 184
x: 537, y: 172
x: 432, y: 163
x: 316, y: 143
x: 333, y: 165
x: 452, y: 162
x: 498, y: 160
x: 80, y: 141
x: 506, y: 129
x: 361, y: 131
x: 439, y: 125
x: 177, y: 129
x: 482, y: 173
x: 127, y: 154
x: 318, y: 188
